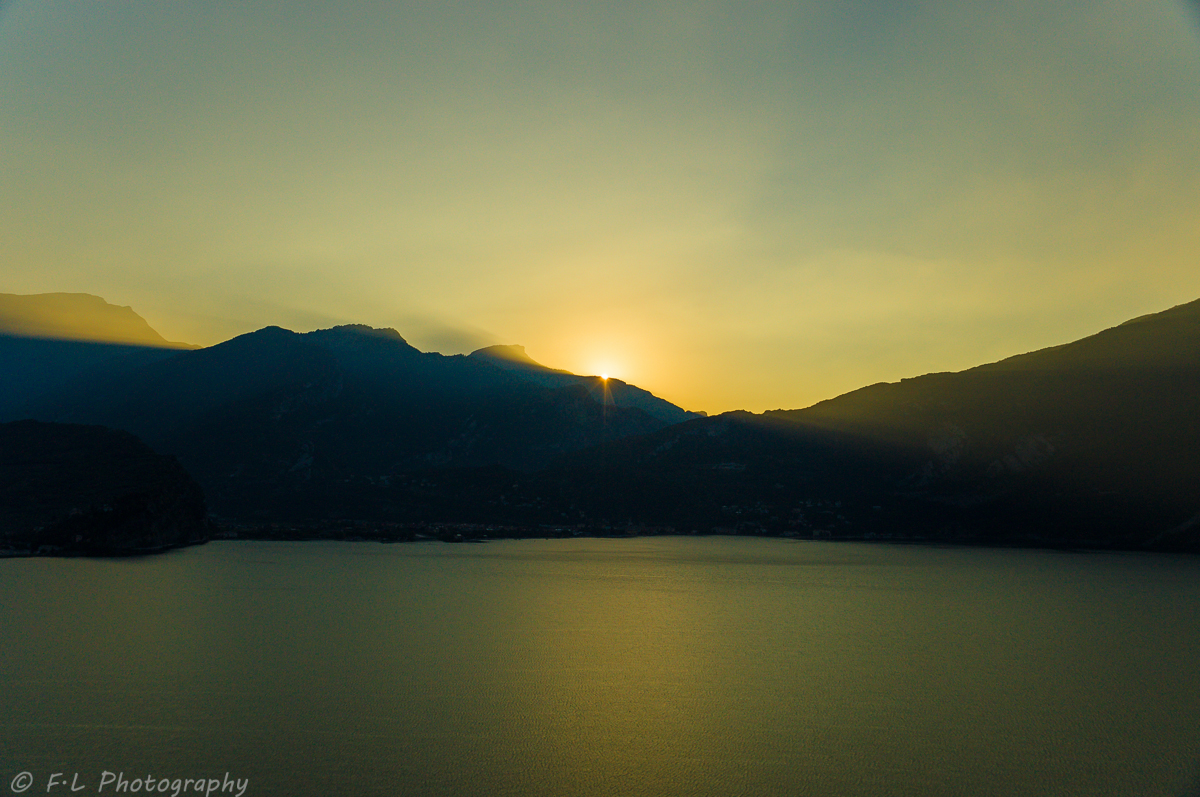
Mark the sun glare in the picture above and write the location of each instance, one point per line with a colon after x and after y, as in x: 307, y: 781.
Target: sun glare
x: 604, y: 377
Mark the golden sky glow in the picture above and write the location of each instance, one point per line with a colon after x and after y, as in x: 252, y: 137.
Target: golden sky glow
x: 733, y: 205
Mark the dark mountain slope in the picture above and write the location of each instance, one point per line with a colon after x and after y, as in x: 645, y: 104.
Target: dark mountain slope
x: 275, y: 423
x: 159, y: 400
x: 612, y: 392
x: 1117, y: 411
x: 1094, y: 443
x: 68, y: 489
x: 35, y: 367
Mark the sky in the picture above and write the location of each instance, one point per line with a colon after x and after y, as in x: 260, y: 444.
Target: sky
x: 735, y: 205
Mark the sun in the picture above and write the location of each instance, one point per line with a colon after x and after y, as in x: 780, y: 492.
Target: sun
x: 604, y: 377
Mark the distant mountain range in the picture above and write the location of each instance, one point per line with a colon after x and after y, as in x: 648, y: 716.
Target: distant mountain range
x: 279, y: 423
x: 1090, y: 444
x: 77, y: 316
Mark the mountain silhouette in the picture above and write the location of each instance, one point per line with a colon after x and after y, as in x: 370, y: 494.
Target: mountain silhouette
x: 611, y: 391
x: 513, y: 358
x: 1115, y: 412
x: 1094, y: 443
x: 279, y: 423
x: 67, y: 489
x: 76, y: 316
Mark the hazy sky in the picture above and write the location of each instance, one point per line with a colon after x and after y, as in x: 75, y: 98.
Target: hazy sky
x: 732, y: 204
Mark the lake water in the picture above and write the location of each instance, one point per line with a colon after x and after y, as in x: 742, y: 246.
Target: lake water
x: 649, y: 666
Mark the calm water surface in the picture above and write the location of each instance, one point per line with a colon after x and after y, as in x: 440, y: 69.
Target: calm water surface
x: 652, y: 666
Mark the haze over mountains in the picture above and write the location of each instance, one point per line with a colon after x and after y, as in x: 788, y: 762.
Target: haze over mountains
x: 77, y: 316
x: 1092, y: 443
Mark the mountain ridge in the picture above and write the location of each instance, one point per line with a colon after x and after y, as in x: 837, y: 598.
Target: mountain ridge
x: 77, y: 316
x: 275, y: 421
x: 1093, y: 443
x: 512, y: 356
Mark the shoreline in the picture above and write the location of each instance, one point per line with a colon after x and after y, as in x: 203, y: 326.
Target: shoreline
x: 476, y: 533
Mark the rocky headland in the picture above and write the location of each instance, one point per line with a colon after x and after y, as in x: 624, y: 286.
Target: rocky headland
x: 67, y: 489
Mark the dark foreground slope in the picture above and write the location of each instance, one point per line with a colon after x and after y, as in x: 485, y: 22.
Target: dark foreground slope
x: 1097, y: 436
x: 276, y: 424
x: 67, y: 489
